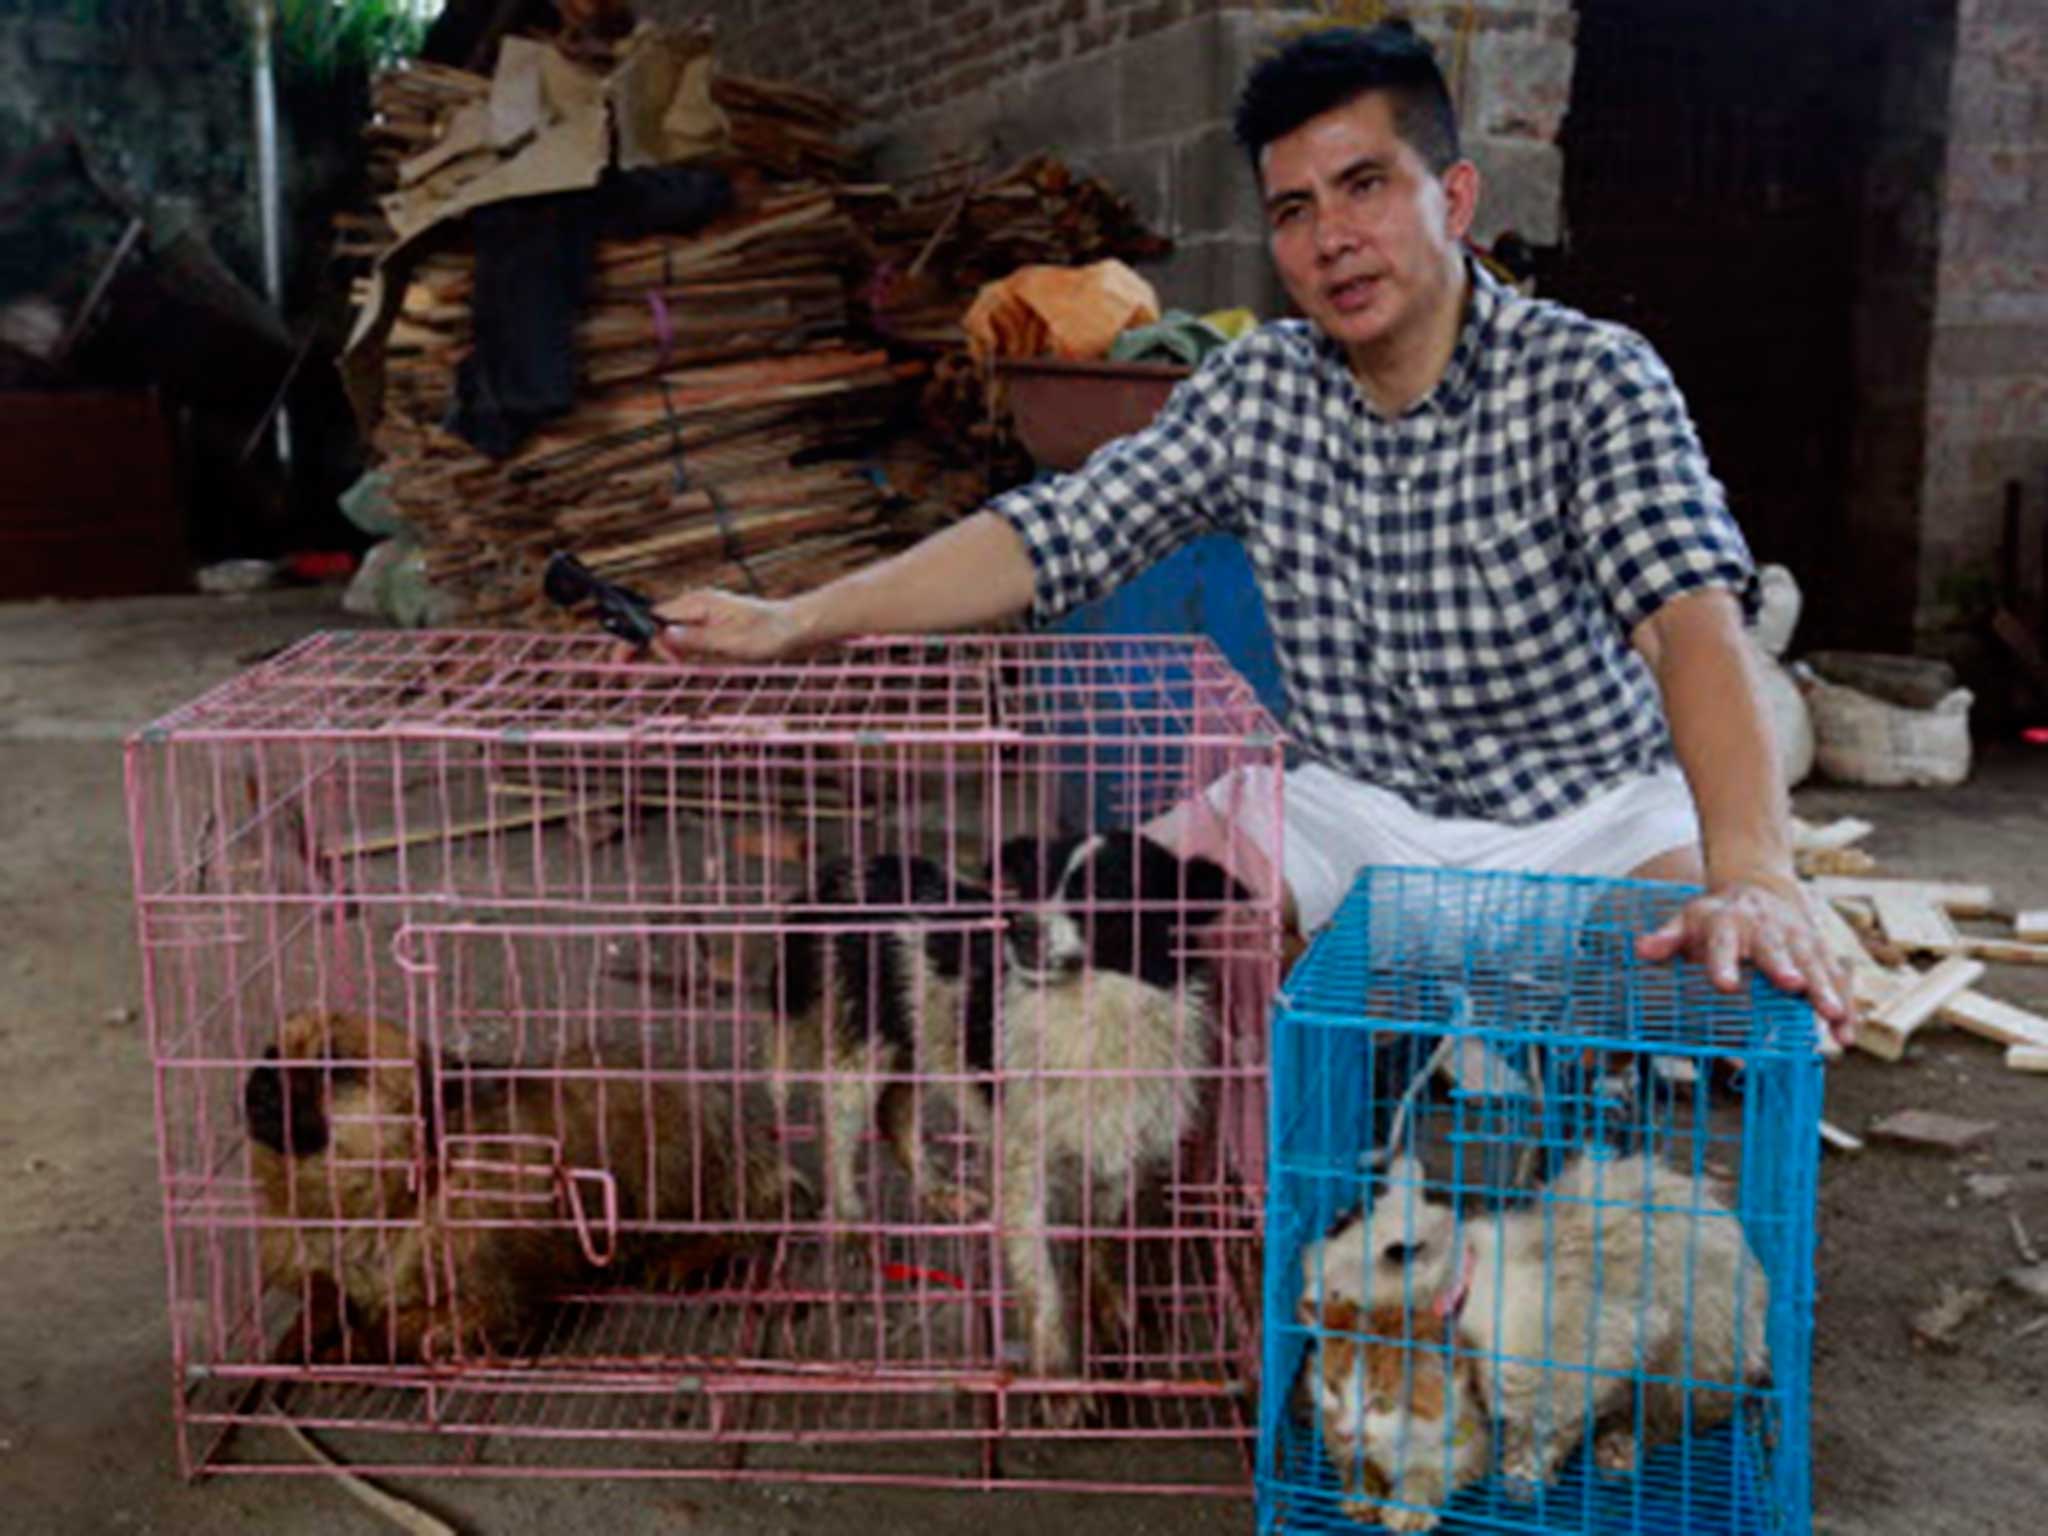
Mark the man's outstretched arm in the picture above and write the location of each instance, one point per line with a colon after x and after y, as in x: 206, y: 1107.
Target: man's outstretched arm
x: 968, y: 576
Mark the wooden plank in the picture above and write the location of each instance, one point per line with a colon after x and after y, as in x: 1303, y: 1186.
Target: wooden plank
x: 2031, y: 927
x: 1839, y: 833
x: 479, y: 826
x: 1871, y: 983
x: 1887, y: 1028
x: 1958, y: 900
x: 794, y: 808
x: 2027, y: 1058
x: 1833, y: 861
x: 1912, y: 922
x: 2007, y: 951
x: 1995, y: 1020
x: 1835, y: 933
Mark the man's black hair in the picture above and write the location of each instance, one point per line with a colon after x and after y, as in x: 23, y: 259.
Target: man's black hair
x: 1332, y: 66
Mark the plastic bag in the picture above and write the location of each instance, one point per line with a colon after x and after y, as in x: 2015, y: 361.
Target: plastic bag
x: 1070, y: 312
x: 1863, y: 740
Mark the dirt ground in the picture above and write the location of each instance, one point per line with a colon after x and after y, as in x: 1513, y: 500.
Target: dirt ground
x: 1906, y: 1440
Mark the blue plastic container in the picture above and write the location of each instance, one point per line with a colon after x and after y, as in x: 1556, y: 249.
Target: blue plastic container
x: 1206, y: 587
x: 1499, y: 1031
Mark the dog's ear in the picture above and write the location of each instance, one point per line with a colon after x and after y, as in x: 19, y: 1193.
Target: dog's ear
x: 1020, y: 868
x: 1206, y: 884
x: 1210, y: 885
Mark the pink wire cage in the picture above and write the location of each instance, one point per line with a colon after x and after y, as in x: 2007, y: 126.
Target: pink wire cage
x: 493, y: 1139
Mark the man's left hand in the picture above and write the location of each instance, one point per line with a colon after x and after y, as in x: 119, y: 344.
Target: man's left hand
x: 1740, y: 922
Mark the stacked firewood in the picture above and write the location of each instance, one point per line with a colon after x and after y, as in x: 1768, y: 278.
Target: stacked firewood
x: 710, y: 441
x: 409, y: 109
x: 936, y: 241
x: 721, y: 397
x: 732, y: 425
x: 937, y: 248
x: 787, y: 131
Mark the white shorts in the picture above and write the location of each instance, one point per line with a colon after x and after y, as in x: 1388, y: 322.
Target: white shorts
x: 1336, y: 826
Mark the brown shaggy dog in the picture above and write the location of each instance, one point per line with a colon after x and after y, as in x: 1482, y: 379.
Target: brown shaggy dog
x: 446, y: 1214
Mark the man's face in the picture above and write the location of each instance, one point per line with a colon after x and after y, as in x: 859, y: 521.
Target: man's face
x: 1364, y: 234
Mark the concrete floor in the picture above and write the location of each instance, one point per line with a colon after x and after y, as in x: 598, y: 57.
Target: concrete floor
x: 1907, y: 1444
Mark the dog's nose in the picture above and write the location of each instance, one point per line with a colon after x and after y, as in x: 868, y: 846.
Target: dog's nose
x: 1025, y: 940
x: 1035, y: 946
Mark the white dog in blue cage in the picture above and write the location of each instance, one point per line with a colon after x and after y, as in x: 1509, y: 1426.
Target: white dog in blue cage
x: 1624, y: 1295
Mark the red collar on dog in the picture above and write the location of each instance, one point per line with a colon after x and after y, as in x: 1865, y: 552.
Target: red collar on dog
x: 1452, y: 1302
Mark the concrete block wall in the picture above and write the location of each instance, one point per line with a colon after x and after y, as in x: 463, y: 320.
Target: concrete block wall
x: 1870, y: 598
x: 1140, y: 92
x: 1987, y: 406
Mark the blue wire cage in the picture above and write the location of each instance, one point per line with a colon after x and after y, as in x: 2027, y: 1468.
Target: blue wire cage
x: 1539, y: 1236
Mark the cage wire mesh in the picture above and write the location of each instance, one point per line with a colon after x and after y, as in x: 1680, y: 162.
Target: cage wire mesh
x: 495, y: 1134
x: 1540, y: 1223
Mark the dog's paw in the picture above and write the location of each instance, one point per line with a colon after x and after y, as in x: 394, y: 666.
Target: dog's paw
x: 956, y: 1202
x: 1063, y: 1410
x: 1410, y: 1519
x: 1365, y: 1511
x: 1523, y: 1474
x: 1616, y: 1452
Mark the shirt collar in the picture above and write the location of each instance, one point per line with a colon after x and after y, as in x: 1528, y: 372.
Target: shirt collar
x: 1461, y: 377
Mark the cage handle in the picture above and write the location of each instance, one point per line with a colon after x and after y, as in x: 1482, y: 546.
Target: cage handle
x: 573, y: 1180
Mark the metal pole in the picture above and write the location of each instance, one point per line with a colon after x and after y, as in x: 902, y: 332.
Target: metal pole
x: 264, y: 85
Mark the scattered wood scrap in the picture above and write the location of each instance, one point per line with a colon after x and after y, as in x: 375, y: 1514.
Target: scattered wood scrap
x: 1839, y: 1139
x: 1827, y: 850
x: 1930, y: 1130
x: 2008, y: 951
x: 1875, y: 927
x: 1959, y: 900
x: 1936, y: 1326
x: 2025, y: 1245
x: 1891, y: 1024
x: 2030, y: 1281
x: 1911, y: 923
x: 1994, y: 1020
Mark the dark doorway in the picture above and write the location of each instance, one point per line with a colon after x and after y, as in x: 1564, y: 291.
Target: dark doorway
x: 1716, y: 154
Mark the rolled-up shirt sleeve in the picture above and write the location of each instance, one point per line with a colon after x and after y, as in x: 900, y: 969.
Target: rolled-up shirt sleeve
x: 1654, y: 521
x: 1135, y: 501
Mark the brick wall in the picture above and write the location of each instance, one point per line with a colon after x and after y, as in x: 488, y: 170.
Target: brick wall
x: 1987, y: 406
x: 1140, y: 92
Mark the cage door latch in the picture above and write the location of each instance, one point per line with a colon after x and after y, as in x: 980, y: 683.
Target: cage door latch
x: 573, y: 1180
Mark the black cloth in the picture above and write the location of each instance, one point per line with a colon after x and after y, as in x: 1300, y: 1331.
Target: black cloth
x: 533, y: 262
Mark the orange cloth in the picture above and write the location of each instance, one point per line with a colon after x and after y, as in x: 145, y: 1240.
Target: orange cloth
x: 1070, y: 312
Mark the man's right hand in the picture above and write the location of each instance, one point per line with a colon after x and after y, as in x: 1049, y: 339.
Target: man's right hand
x: 723, y: 626
x: 967, y: 576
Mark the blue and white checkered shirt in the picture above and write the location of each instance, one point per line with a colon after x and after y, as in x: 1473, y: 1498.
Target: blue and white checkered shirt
x: 1452, y: 591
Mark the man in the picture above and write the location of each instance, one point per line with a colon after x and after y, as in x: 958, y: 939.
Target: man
x: 1485, y: 532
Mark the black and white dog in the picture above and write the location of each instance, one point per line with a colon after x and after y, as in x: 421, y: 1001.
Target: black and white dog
x: 1095, y: 1020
